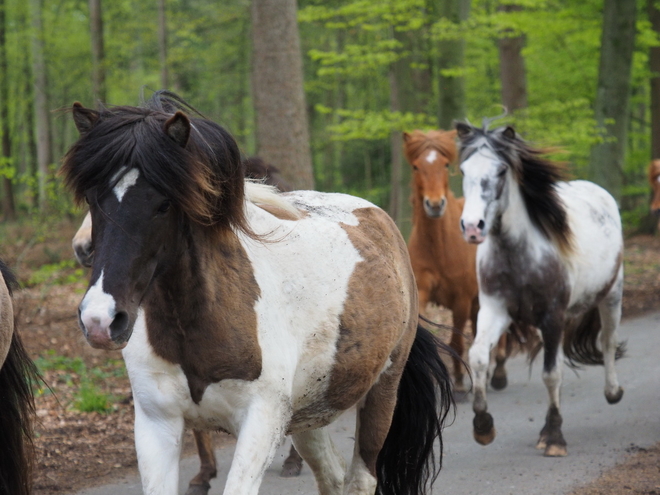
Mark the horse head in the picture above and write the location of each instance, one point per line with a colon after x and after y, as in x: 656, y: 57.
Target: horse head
x: 654, y: 179
x: 150, y: 178
x: 502, y: 172
x: 430, y: 154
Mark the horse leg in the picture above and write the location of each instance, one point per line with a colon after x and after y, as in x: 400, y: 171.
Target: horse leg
x: 328, y: 466
x: 260, y: 434
x: 499, y: 380
x: 292, y: 464
x: 551, y: 439
x: 610, y: 317
x: 158, y: 444
x: 201, y: 484
x: 492, y: 322
x: 457, y: 343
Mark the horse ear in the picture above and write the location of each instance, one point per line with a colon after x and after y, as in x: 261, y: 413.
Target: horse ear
x: 463, y: 130
x: 509, y: 132
x: 178, y: 128
x: 406, y: 137
x: 84, y: 118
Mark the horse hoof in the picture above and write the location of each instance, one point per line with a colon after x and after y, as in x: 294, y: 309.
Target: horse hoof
x: 484, y: 431
x: 499, y: 382
x: 198, y: 489
x: 541, y: 444
x: 554, y: 450
x: 291, y: 468
x: 614, y: 398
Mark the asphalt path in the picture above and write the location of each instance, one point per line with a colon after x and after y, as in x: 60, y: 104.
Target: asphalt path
x: 598, y: 434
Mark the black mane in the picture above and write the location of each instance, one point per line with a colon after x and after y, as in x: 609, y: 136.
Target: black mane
x: 204, y: 178
x: 536, y: 176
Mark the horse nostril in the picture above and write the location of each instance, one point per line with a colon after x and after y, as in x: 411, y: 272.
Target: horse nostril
x: 462, y: 225
x: 481, y: 225
x: 119, y: 326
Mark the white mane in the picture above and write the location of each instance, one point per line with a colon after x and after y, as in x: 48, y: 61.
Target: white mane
x: 258, y: 193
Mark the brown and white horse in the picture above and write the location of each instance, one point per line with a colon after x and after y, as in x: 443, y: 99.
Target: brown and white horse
x: 654, y: 180
x: 17, y: 374
x: 549, y: 257
x: 255, y: 168
x: 241, y: 309
x: 444, y: 266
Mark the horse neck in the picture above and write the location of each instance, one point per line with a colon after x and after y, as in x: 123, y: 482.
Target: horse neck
x: 514, y: 221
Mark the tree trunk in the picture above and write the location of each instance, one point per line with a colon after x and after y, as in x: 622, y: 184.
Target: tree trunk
x: 396, y: 148
x: 44, y: 157
x: 654, y: 66
x: 162, y: 43
x: 98, y: 53
x: 8, y: 206
x: 613, y: 94
x: 512, y: 68
x: 452, y: 56
x: 277, y: 85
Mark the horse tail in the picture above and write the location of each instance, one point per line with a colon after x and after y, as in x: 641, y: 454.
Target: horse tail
x: 17, y: 375
x: 407, y: 463
x: 581, y: 341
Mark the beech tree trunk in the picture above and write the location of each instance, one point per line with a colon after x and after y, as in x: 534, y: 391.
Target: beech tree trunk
x: 162, y: 43
x: 98, y: 52
x: 512, y: 68
x: 613, y: 94
x: 8, y: 206
x: 282, y: 129
x: 654, y: 65
x: 42, y: 117
x: 452, y: 56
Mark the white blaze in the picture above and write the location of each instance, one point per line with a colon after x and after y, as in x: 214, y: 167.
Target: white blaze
x: 431, y: 156
x: 128, y: 180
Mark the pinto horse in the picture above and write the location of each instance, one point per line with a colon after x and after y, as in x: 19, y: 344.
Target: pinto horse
x: 260, y: 314
x: 654, y: 180
x: 444, y: 266
x: 255, y: 168
x: 17, y: 373
x: 549, y: 256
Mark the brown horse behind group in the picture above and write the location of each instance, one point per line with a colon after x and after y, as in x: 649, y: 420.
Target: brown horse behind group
x: 654, y: 179
x: 444, y: 264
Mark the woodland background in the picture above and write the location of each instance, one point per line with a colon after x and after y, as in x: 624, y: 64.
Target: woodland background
x: 323, y: 89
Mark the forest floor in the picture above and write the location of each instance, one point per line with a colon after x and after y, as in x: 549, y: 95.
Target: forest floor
x: 84, y: 430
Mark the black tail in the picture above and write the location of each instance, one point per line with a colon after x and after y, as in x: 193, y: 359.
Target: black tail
x: 581, y: 341
x: 406, y: 463
x: 17, y: 374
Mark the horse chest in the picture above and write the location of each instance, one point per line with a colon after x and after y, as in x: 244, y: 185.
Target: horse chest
x: 532, y: 284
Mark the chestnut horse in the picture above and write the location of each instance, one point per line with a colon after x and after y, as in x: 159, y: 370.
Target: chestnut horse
x: 257, y: 313
x: 654, y: 179
x: 17, y: 374
x: 255, y: 168
x: 444, y: 265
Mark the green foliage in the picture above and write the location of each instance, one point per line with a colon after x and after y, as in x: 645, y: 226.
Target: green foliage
x: 59, y: 273
x: 88, y: 384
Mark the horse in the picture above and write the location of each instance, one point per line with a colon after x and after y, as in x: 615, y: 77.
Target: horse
x: 258, y: 313
x: 17, y: 374
x: 444, y: 267
x: 549, y: 257
x: 255, y: 168
x: 654, y: 180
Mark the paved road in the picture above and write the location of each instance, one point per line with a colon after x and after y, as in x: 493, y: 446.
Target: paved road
x: 598, y: 434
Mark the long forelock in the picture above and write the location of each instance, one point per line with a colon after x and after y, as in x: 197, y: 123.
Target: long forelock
x: 537, y: 178
x: 419, y: 142
x: 204, y: 179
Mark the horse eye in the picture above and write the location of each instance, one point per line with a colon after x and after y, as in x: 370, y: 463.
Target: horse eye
x: 164, y: 207
x: 501, y: 172
x: 415, y: 168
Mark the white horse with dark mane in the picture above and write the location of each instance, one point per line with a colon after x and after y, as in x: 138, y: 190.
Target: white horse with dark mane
x: 549, y: 257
